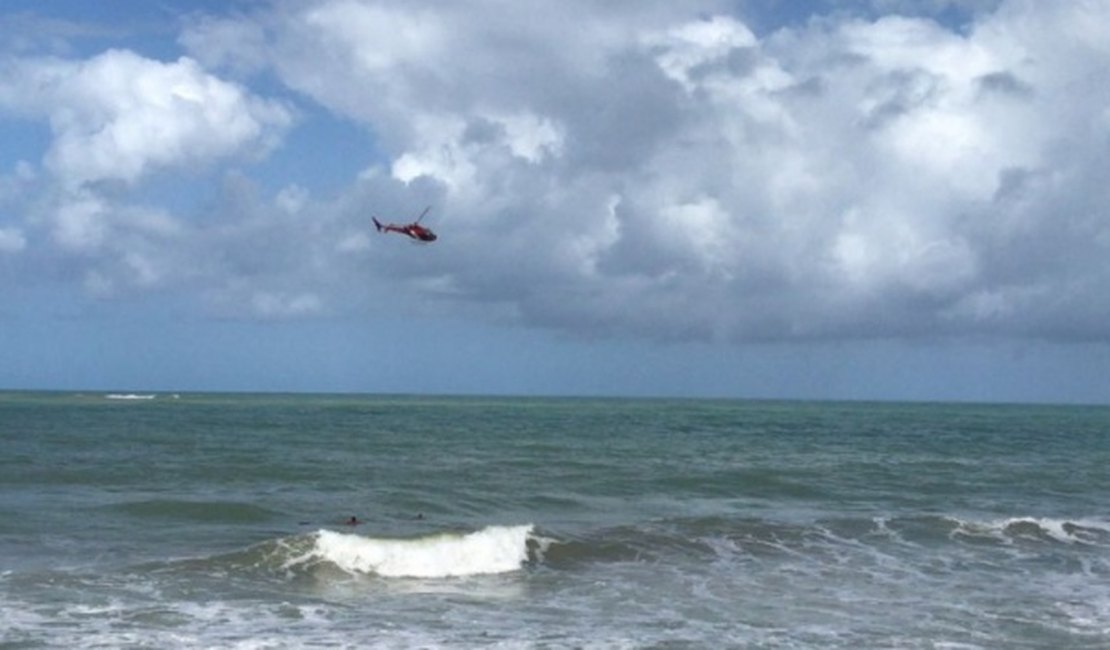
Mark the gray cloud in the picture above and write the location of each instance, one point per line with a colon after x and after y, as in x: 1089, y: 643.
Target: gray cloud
x: 630, y: 168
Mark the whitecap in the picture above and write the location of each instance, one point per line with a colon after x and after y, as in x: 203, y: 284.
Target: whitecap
x: 1067, y: 531
x: 494, y: 549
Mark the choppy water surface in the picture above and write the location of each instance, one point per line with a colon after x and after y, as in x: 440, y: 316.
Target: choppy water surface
x: 132, y: 520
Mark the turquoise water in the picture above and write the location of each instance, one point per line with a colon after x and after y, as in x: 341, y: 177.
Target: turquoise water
x: 220, y: 521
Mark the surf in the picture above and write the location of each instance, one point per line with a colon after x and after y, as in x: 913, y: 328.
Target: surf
x: 491, y: 550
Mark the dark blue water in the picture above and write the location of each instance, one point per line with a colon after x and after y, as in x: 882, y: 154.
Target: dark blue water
x: 220, y: 520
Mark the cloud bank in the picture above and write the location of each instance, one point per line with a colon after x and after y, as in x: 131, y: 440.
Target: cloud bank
x: 624, y: 169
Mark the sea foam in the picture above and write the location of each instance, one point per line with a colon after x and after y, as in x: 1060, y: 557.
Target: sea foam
x: 1081, y: 531
x: 494, y: 549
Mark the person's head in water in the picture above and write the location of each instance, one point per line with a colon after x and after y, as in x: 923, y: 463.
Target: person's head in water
x: 353, y: 521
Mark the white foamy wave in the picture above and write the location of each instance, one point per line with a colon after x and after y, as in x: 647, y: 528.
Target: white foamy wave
x: 1082, y: 531
x: 495, y: 549
x: 129, y: 396
x: 1061, y: 530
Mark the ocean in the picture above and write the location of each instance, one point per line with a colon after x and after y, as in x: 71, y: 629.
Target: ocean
x: 223, y: 521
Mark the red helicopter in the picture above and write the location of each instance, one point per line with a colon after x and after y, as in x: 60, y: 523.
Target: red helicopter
x: 414, y: 229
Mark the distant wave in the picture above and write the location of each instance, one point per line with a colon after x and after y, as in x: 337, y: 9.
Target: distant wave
x: 495, y: 549
x: 713, y: 538
x: 1038, y: 529
x: 130, y: 396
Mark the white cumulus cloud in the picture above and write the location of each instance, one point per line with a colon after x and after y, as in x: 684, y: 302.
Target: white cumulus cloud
x: 626, y: 167
x: 118, y: 115
x: 629, y: 167
x: 115, y: 120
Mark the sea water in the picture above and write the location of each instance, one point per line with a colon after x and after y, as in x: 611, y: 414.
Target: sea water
x: 196, y: 521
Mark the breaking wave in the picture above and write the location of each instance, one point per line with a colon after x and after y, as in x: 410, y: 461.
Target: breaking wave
x: 710, y: 538
x: 1088, y: 532
x: 504, y: 549
x: 495, y: 549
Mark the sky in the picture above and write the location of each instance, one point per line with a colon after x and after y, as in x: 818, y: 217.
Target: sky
x: 824, y: 199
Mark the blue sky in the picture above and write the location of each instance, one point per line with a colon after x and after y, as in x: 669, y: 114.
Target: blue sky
x: 867, y: 199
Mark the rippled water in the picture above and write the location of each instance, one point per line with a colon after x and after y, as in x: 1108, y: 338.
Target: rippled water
x: 221, y: 520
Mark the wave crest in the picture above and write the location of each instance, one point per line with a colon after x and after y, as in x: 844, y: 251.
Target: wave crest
x: 1086, y: 532
x: 494, y: 549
